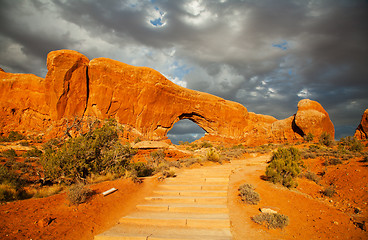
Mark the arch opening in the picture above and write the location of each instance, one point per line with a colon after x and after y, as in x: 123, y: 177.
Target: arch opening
x: 185, y: 130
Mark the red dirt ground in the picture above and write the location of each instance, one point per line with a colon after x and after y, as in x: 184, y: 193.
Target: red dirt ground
x: 311, y: 215
x: 24, y: 219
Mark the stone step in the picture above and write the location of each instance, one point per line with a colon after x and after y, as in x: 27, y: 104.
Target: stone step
x: 169, y: 219
x: 184, y: 208
x: 202, y: 193
x: 188, y: 199
x: 210, y: 187
x: 128, y: 232
x: 192, y: 180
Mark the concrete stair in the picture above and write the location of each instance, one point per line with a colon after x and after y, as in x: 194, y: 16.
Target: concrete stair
x: 192, y: 205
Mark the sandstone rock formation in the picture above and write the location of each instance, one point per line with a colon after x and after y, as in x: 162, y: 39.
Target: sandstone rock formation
x: 362, y: 130
x: 141, y: 99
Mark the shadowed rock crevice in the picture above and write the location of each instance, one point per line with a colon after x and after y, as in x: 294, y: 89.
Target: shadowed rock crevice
x: 296, y: 129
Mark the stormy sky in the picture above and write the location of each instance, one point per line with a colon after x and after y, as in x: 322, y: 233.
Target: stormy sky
x: 264, y: 54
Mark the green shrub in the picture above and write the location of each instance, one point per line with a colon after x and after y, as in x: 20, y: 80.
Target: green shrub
x: 47, y: 191
x: 309, y: 137
x: 284, y: 167
x: 9, y: 154
x: 329, y: 191
x: 167, y: 174
x: 206, y: 145
x: 97, y: 151
x: 187, y: 162
x: 325, y: 139
x: 351, y: 144
x: 141, y: 169
x: 24, y: 143
x: 248, y: 194
x: 9, y: 177
x: 272, y: 220
x: 312, y: 176
x: 12, y: 137
x: 11, y: 185
x: 213, y: 156
x: 332, y: 161
x: 158, y: 156
x: 78, y: 194
x: 365, y: 158
x: 33, y: 153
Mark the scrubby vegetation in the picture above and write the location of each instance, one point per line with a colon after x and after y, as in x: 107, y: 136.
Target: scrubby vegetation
x: 284, y: 167
x: 78, y: 194
x: 12, y: 137
x: 309, y: 137
x: 272, y: 220
x: 311, y: 176
x: 11, y: 185
x: 326, y: 139
x: 248, y: 195
x: 351, y: 144
x: 212, y: 155
x: 329, y: 191
x: 96, y: 152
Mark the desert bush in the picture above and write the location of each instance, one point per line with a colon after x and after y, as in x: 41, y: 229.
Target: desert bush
x: 11, y: 185
x: 206, y: 145
x: 9, y: 177
x: 311, y: 176
x: 212, y: 155
x: 183, y: 143
x: 332, y: 161
x: 97, y: 151
x: 248, y: 194
x: 141, y: 169
x: 47, y: 191
x: 308, y: 137
x: 314, y: 148
x: 365, y: 158
x: 33, y: 153
x: 24, y: 143
x: 158, y: 156
x: 12, y: 137
x: 167, y: 174
x: 329, y: 191
x: 187, y: 162
x: 325, y: 139
x: 351, y: 144
x: 284, y: 167
x: 9, y: 154
x: 97, y: 178
x: 272, y: 220
x: 234, y: 152
x: 78, y: 194
x: 7, y: 193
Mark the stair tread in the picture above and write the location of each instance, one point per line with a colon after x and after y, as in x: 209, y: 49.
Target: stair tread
x: 153, y: 232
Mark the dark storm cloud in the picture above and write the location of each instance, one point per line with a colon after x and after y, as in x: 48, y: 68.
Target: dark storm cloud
x: 265, y: 54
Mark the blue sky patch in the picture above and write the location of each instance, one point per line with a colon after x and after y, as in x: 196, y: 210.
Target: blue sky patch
x: 284, y: 45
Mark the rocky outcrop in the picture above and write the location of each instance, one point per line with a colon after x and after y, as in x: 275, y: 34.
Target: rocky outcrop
x: 143, y: 100
x: 66, y: 84
x: 22, y: 103
x: 362, y: 130
x: 312, y: 118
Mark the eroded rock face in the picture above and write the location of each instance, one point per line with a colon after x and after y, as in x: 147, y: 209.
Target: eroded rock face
x: 22, y: 102
x: 141, y: 99
x: 66, y: 83
x: 362, y: 130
